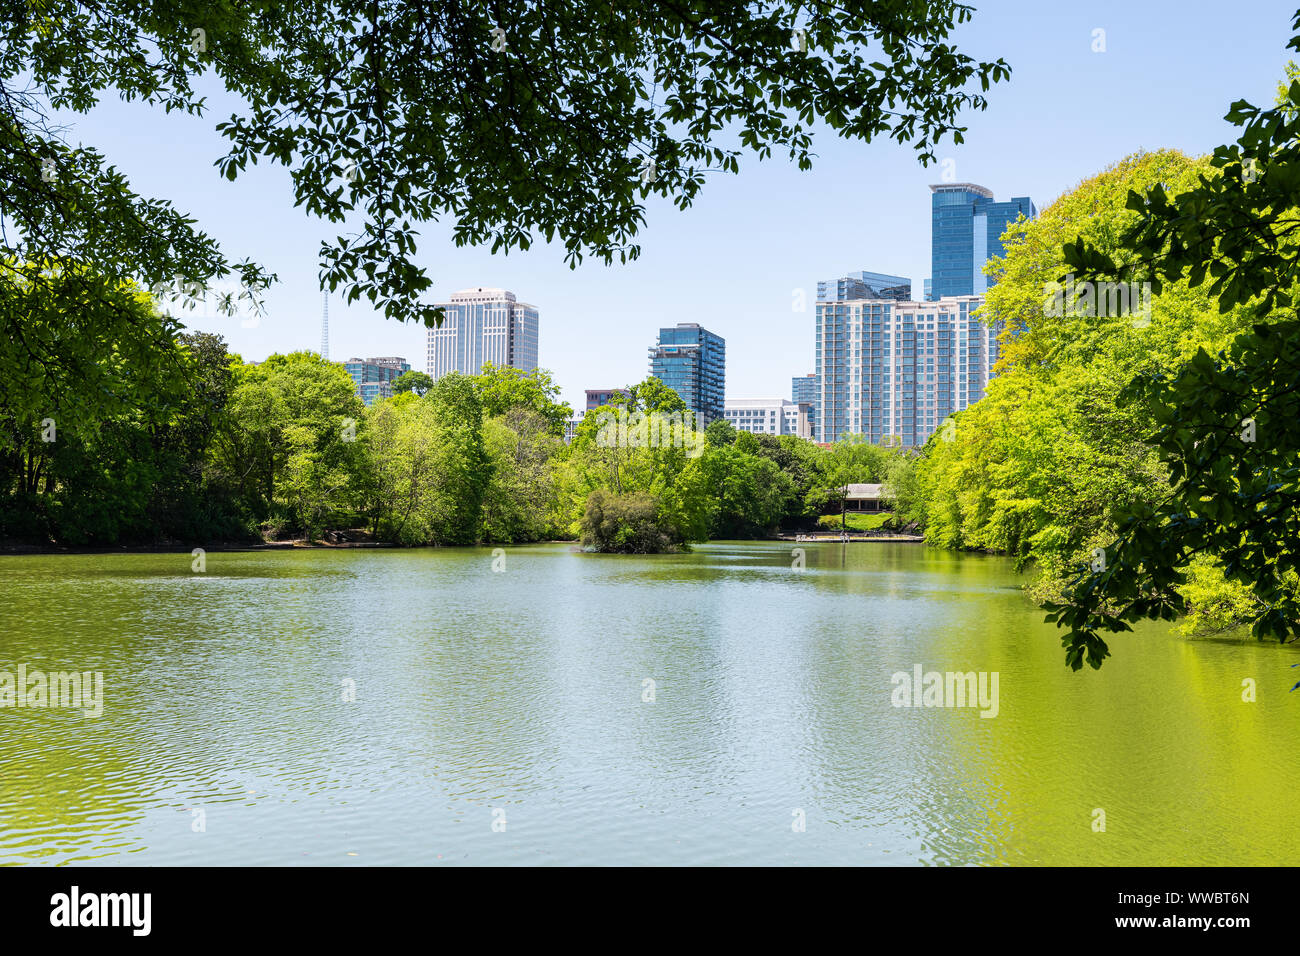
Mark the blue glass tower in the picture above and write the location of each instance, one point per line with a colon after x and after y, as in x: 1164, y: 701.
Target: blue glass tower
x: 966, y: 231
x: 692, y: 361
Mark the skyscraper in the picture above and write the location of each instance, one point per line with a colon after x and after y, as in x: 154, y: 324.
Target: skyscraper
x: 965, y: 231
x: 830, y: 389
x: 692, y: 361
x: 483, y: 325
x: 893, y: 371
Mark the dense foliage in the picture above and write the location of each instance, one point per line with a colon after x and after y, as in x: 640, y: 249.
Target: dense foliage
x: 1226, y: 424
x: 185, y: 443
x: 513, y: 120
x: 1044, y: 467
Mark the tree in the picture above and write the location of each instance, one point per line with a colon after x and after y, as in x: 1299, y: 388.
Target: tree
x: 851, y: 460
x: 800, y: 459
x: 106, y: 415
x: 401, y: 477
x: 462, y: 466
x: 626, y: 524
x: 291, y: 437
x: 720, y: 432
x: 513, y: 120
x: 412, y: 381
x: 503, y: 389
x: 752, y: 493
x: 902, y: 491
x: 191, y: 499
x: 1040, y: 467
x: 651, y: 395
x: 518, y: 502
x: 1228, y: 424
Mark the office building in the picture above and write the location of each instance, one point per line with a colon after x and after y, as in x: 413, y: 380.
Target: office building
x: 373, y: 377
x: 483, y: 325
x: 965, y: 232
x: 692, y: 361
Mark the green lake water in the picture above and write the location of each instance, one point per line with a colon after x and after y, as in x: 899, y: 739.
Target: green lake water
x: 500, y: 716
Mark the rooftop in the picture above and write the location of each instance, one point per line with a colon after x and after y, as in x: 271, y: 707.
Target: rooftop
x: 863, y: 492
x: 482, y: 292
x: 962, y: 187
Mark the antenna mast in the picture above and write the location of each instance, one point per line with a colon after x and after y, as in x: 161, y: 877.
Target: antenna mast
x: 325, y: 330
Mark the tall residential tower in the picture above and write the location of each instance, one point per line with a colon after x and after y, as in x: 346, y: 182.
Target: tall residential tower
x: 893, y: 371
x: 692, y: 361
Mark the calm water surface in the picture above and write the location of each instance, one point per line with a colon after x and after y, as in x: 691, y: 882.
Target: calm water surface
x: 518, y: 695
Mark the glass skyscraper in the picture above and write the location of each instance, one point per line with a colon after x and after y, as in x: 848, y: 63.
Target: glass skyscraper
x: 965, y: 231
x: 692, y: 361
x: 480, y: 326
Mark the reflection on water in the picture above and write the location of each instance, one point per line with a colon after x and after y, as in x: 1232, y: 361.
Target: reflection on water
x: 226, y: 737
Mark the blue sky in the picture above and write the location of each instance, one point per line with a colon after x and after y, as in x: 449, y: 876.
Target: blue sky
x: 732, y: 262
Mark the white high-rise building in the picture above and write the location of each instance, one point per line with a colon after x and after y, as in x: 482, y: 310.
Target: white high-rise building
x: 893, y: 371
x: 483, y: 325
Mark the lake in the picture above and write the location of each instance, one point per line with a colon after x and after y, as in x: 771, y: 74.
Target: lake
x: 543, y: 706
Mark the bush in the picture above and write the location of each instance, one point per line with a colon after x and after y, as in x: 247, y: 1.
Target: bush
x: 856, y: 521
x: 626, y: 524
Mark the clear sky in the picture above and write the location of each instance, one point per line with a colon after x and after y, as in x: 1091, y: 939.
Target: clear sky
x: 732, y: 262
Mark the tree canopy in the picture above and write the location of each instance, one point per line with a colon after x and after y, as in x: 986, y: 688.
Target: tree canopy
x: 1227, y: 422
x: 512, y: 120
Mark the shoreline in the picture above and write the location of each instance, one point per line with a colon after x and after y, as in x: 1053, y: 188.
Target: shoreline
x: 234, y: 547
x: 33, y: 550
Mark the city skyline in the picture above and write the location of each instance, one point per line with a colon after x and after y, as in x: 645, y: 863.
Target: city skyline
x: 794, y: 226
x: 887, y: 366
